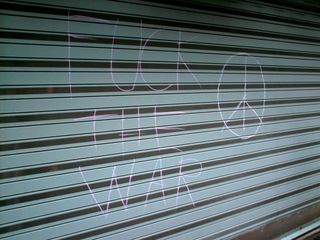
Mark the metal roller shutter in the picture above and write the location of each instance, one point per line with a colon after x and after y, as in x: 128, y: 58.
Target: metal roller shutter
x: 140, y: 120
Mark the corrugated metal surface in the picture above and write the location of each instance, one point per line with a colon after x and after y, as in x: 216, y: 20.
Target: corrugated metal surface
x: 135, y: 119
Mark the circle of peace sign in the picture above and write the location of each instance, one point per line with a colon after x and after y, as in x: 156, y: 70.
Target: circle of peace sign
x: 243, y: 107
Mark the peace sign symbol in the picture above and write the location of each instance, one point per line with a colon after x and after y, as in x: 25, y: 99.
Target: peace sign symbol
x: 244, y: 113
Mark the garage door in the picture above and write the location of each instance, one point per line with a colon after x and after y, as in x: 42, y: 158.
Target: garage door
x: 140, y: 120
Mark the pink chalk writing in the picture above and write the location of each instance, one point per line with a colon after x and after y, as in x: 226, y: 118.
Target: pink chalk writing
x: 157, y: 181
x: 111, y: 64
x: 91, y: 19
x: 243, y: 103
x: 114, y: 186
x: 158, y: 165
x: 94, y: 117
x: 182, y: 178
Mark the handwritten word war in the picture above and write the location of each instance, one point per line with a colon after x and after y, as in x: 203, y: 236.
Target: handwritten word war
x: 157, y: 183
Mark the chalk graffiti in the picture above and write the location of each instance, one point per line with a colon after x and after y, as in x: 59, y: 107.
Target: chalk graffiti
x: 139, y: 72
x: 94, y: 117
x: 113, y: 184
x: 158, y: 162
x: 111, y: 63
x: 76, y: 36
x: 91, y: 192
x: 243, y: 103
x: 182, y: 178
x: 157, y: 182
